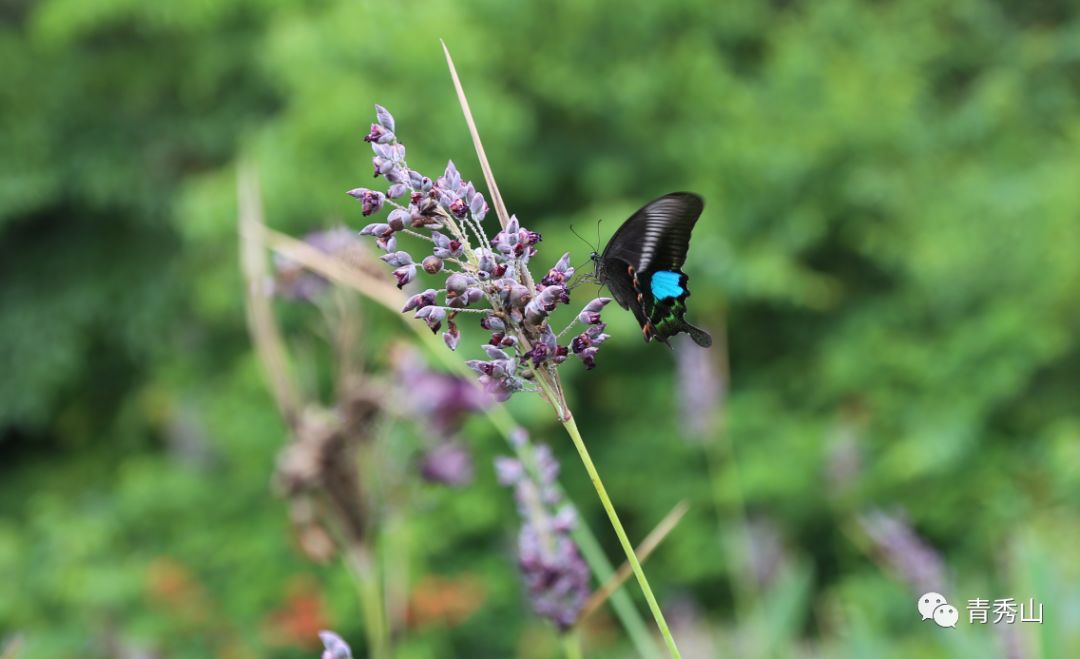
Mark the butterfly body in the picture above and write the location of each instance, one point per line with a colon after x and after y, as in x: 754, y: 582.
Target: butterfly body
x: 642, y: 266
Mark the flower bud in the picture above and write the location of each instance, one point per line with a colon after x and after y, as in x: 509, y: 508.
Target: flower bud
x: 397, y: 219
x: 379, y: 135
x: 382, y: 165
x: 432, y: 264
x: 456, y: 284
x: 371, y: 199
x: 420, y: 300
x: 590, y: 315
x: 492, y: 323
x: 451, y: 178
x: 396, y: 259
x: 433, y: 316
x: 405, y: 274
x: 458, y: 208
x: 478, y: 206
x: 519, y: 296
x: 444, y: 246
x: 385, y: 119
x: 452, y: 336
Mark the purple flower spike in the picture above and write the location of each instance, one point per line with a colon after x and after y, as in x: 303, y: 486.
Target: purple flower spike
x: 904, y: 551
x: 336, y: 647
x: 443, y: 401
x: 556, y: 577
x: 508, y: 471
x: 293, y: 281
x: 489, y: 274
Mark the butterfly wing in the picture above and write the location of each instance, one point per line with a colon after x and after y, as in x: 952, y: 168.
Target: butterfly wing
x: 657, y: 236
x: 642, y: 262
x: 617, y: 276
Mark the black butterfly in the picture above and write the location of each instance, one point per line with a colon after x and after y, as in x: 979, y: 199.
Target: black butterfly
x: 642, y: 262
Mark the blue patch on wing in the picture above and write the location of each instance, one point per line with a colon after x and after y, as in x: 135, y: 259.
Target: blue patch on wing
x: 665, y: 284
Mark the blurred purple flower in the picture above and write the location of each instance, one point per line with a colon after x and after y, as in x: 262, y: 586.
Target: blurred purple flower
x: 843, y: 460
x: 700, y: 390
x: 441, y: 400
x: 696, y: 635
x: 293, y: 281
x: 902, y: 551
x: 448, y: 463
x: 335, y: 646
x: 556, y: 577
x: 764, y: 551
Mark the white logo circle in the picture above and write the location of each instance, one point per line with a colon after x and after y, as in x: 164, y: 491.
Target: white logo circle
x: 946, y: 615
x: 928, y: 602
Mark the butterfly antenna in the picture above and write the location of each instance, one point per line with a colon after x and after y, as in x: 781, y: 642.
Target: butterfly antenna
x: 580, y: 238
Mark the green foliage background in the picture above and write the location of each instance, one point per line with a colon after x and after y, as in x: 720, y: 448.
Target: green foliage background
x: 890, y: 240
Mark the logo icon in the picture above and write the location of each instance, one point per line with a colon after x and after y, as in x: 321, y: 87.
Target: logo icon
x: 932, y: 606
x: 946, y: 615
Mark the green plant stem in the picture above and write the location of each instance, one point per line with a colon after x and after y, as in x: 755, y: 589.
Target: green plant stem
x: 575, y: 436
x: 371, y: 602
x: 571, y: 642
